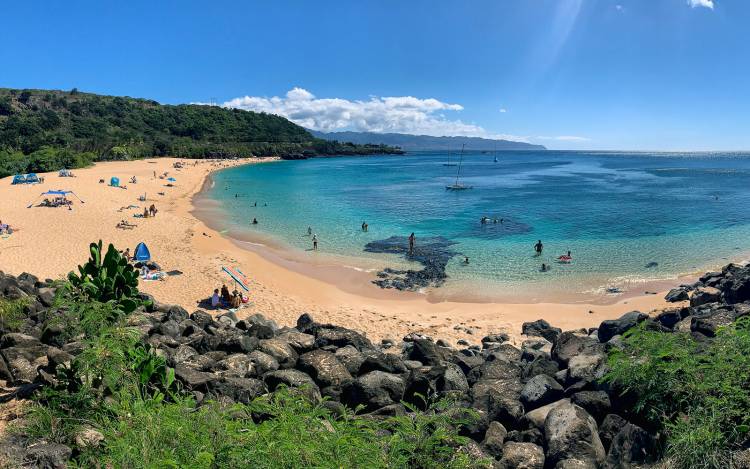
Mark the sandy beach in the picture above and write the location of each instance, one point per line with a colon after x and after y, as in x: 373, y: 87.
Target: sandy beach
x: 49, y: 242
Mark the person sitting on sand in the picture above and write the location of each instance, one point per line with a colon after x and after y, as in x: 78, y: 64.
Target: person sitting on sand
x: 215, y: 299
x: 236, y: 299
x: 225, y: 296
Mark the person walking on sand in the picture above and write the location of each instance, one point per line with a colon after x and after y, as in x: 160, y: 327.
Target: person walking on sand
x: 315, y: 242
x: 538, y: 247
x: 411, y: 243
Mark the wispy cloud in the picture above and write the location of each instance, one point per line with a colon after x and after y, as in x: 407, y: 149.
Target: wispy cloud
x: 402, y: 114
x: 565, y: 138
x: 618, y: 7
x: 701, y: 3
x: 503, y: 110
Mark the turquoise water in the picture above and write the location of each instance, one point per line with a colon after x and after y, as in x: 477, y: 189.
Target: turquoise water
x: 616, y: 212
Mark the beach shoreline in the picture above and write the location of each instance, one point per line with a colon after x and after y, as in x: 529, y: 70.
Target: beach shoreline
x: 180, y: 240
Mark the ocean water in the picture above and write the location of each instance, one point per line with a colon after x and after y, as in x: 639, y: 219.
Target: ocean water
x: 616, y: 212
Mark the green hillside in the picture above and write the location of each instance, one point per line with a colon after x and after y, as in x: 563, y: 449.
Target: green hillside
x: 44, y: 130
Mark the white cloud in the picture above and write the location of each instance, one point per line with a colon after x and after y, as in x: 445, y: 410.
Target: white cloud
x: 566, y: 138
x: 503, y: 110
x: 403, y: 114
x: 618, y: 7
x: 701, y: 3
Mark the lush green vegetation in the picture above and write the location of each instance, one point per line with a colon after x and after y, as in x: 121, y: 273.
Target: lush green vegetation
x: 697, y: 393
x: 125, y: 390
x: 44, y: 130
x: 11, y: 315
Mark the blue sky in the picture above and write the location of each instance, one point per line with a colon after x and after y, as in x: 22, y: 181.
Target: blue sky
x: 570, y: 74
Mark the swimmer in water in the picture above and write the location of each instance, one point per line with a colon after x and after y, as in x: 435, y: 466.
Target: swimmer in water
x: 466, y: 260
x: 255, y: 221
x: 309, y: 231
x: 538, y: 247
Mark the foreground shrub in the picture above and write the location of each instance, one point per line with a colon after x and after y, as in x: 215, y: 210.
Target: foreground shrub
x: 698, y: 393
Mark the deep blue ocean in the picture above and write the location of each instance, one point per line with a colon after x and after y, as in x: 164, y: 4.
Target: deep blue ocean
x: 616, y: 212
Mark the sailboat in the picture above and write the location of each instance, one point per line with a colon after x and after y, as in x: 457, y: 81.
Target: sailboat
x: 495, y: 154
x: 449, y: 159
x: 457, y: 186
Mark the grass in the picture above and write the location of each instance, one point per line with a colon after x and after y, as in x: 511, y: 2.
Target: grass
x: 11, y: 315
x: 697, y: 393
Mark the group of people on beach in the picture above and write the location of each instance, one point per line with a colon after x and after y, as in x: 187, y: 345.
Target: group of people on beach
x: 563, y: 259
x: 5, y: 228
x: 150, y: 211
x: 224, y: 299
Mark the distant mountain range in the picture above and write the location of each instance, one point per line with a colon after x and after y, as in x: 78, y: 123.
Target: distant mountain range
x: 425, y: 142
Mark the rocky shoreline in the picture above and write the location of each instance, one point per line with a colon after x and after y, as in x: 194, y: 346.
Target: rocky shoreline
x: 540, y: 405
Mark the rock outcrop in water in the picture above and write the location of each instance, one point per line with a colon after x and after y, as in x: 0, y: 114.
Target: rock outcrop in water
x: 540, y: 405
x: 433, y: 253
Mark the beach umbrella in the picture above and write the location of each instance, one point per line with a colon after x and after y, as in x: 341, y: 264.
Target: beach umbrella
x: 238, y: 277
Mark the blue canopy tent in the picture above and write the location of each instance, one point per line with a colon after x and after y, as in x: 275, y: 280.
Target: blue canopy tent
x: 32, y: 178
x: 114, y: 182
x: 19, y: 179
x: 58, y: 193
x: 171, y: 179
x: 142, y: 253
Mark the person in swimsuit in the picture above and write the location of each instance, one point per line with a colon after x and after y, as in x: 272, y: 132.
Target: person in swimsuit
x: 538, y: 247
x: 412, y: 238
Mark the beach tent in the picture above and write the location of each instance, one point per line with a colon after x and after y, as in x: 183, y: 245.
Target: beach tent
x: 19, y: 179
x: 32, y: 178
x: 114, y: 182
x: 171, y: 179
x: 58, y: 193
x: 65, y: 173
x: 142, y: 253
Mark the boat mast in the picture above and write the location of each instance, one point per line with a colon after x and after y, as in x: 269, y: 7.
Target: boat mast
x: 460, y: 159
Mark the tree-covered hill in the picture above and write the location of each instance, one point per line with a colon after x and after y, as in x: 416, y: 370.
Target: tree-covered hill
x: 43, y: 130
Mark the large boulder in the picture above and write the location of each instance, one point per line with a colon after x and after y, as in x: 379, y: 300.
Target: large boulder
x: 541, y: 328
x: 193, y: 379
x: 263, y: 362
x: 351, y: 358
x: 426, y: 352
x: 433, y: 381
x: 494, y: 438
x: 292, y: 379
x: 631, y: 446
x: 590, y: 366
x: 536, y: 417
x: 611, y: 426
x: 47, y: 456
x: 613, y: 327
x: 540, y: 390
x: 340, y: 337
x: 571, y: 344
x: 379, y: 361
x: 677, y: 294
x: 237, y: 364
x: 571, y: 433
x: 281, y: 351
x: 705, y: 295
x: 596, y: 403
x: 374, y: 390
x: 499, y: 399
x: 324, y: 368
x: 242, y: 390
x: 521, y: 456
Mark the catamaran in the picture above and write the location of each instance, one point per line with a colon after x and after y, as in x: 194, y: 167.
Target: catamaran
x: 457, y: 186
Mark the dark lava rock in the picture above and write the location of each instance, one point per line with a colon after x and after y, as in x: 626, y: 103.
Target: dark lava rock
x: 499, y: 399
x: 202, y: 319
x: 193, y: 379
x: 387, y: 362
x: 541, y: 328
x: 494, y: 438
x: 427, y: 352
x: 611, y: 425
x: 521, y: 455
x: 632, y: 445
x: 596, y: 403
x: 540, y: 390
x: 677, y: 294
x: 341, y: 337
x: 351, y: 358
x: 437, y: 381
x: 433, y: 253
x: 705, y: 295
x: 289, y: 378
x: 324, y: 368
x: 263, y: 362
x: 669, y: 318
x: 242, y: 390
x: 613, y: 327
x: 374, y: 390
x: 571, y: 433
x: 570, y: 344
x: 47, y: 456
x: 280, y: 350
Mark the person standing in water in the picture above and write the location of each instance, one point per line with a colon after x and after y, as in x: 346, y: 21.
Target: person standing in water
x: 411, y: 243
x: 538, y: 247
x: 315, y: 242
x: 309, y: 231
